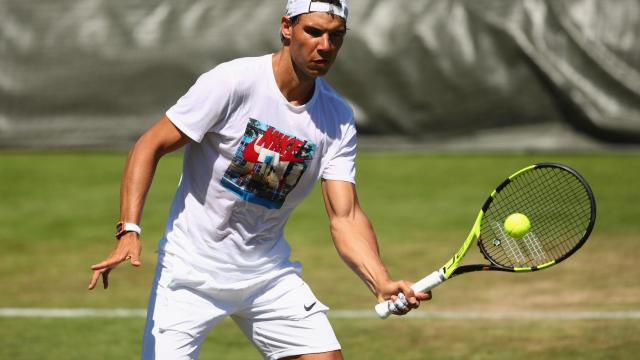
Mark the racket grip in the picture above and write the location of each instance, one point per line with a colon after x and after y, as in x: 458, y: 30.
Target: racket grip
x: 425, y: 284
x: 429, y: 282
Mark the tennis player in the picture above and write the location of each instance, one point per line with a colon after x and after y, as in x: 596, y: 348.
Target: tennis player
x: 257, y: 133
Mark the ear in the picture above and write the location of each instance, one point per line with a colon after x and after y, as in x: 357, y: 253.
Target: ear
x: 286, y: 28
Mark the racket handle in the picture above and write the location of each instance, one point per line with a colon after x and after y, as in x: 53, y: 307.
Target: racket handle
x: 425, y: 284
x: 429, y: 282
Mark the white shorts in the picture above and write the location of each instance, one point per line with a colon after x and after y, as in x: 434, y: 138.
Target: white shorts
x: 281, y: 317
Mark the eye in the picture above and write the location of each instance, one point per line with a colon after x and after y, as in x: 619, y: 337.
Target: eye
x: 313, y: 32
x: 337, y: 36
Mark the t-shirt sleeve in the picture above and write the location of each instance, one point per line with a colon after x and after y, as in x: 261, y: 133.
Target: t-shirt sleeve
x: 342, y: 164
x: 205, y: 105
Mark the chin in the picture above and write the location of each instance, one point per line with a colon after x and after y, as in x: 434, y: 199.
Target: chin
x: 318, y: 72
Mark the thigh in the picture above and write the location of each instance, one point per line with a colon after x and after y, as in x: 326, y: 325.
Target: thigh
x: 286, y: 319
x: 170, y: 345
x: 178, y: 320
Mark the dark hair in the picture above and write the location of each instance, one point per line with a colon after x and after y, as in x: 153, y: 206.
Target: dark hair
x: 294, y: 20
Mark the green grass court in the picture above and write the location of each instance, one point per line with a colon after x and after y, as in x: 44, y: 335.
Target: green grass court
x: 57, y: 213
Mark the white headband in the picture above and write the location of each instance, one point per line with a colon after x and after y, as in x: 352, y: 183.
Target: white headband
x: 297, y: 7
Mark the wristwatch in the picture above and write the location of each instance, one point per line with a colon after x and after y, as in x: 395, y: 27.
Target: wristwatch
x: 125, y: 227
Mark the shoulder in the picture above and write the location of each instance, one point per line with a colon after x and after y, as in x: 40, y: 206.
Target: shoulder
x: 331, y: 99
x: 235, y: 75
x: 241, y: 66
x: 244, y: 63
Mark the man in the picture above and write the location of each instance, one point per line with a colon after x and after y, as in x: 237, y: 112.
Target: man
x: 258, y: 133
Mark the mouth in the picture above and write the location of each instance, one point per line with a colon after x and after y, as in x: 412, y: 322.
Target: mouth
x: 321, y: 62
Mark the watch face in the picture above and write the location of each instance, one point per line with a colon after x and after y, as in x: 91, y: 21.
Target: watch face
x: 119, y: 228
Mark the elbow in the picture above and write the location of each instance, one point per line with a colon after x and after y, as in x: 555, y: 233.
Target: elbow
x: 340, y: 223
x: 148, y: 147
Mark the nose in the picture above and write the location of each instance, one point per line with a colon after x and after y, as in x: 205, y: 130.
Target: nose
x: 324, y: 43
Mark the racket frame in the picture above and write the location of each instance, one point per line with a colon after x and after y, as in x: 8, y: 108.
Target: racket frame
x: 453, y: 268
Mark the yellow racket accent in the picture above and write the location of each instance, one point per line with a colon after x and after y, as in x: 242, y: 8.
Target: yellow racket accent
x: 539, y: 267
x: 454, y: 262
x: 515, y: 175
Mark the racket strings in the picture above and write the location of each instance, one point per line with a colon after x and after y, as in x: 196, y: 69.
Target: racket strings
x: 558, y: 207
x: 562, y: 225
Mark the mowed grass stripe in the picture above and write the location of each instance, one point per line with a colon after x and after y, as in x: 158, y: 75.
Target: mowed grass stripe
x: 345, y: 314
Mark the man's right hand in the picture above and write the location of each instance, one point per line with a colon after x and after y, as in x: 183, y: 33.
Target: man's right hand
x: 390, y: 290
x: 128, y: 247
x: 162, y: 138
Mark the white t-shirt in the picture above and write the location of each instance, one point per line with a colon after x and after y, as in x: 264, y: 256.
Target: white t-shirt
x: 253, y: 159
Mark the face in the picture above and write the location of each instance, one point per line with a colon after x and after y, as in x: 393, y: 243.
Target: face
x: 314, y: 41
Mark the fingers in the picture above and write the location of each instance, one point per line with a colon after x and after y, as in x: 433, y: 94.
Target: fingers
x: 400, y: 305
x: 126, y: 249
x: 135, y: 258
x: 407, y: 299
x: 105, y: 278
x: 96, y: 275
x: 106, y: 264
x: 110, y: 262
x: 424, y: 296
x: 104, y: 268
x: 94, y: 279
x: 118, y: 256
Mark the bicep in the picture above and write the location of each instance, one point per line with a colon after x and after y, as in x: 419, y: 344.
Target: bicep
x: 349, y: 224
x: 340, y: 199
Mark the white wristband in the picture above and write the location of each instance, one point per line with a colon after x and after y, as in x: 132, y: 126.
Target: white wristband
x: 123, y: 228
x: 132, y: 227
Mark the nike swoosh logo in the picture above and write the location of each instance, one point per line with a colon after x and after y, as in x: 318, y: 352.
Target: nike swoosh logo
x: 249, y: 153
x: 308, y: 308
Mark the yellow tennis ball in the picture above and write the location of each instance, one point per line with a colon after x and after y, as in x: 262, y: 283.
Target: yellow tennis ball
x: 517, y: 225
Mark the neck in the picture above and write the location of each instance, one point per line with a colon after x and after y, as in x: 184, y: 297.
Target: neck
x: 296, y: 86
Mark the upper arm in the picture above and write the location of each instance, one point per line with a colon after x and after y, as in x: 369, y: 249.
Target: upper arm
x: 346, y: 218
x: 340, y: 199
x: 163, y: 137
x: 209, y: 101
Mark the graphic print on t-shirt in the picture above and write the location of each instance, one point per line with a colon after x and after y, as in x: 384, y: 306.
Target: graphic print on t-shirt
x: 267, y: 165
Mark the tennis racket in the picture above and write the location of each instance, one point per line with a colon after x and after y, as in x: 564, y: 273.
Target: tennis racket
x: 561, y: 209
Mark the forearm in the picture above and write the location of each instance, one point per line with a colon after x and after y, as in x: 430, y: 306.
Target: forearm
x: 141, y: 164
x: 356, y: 243
x: 136, y: 181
